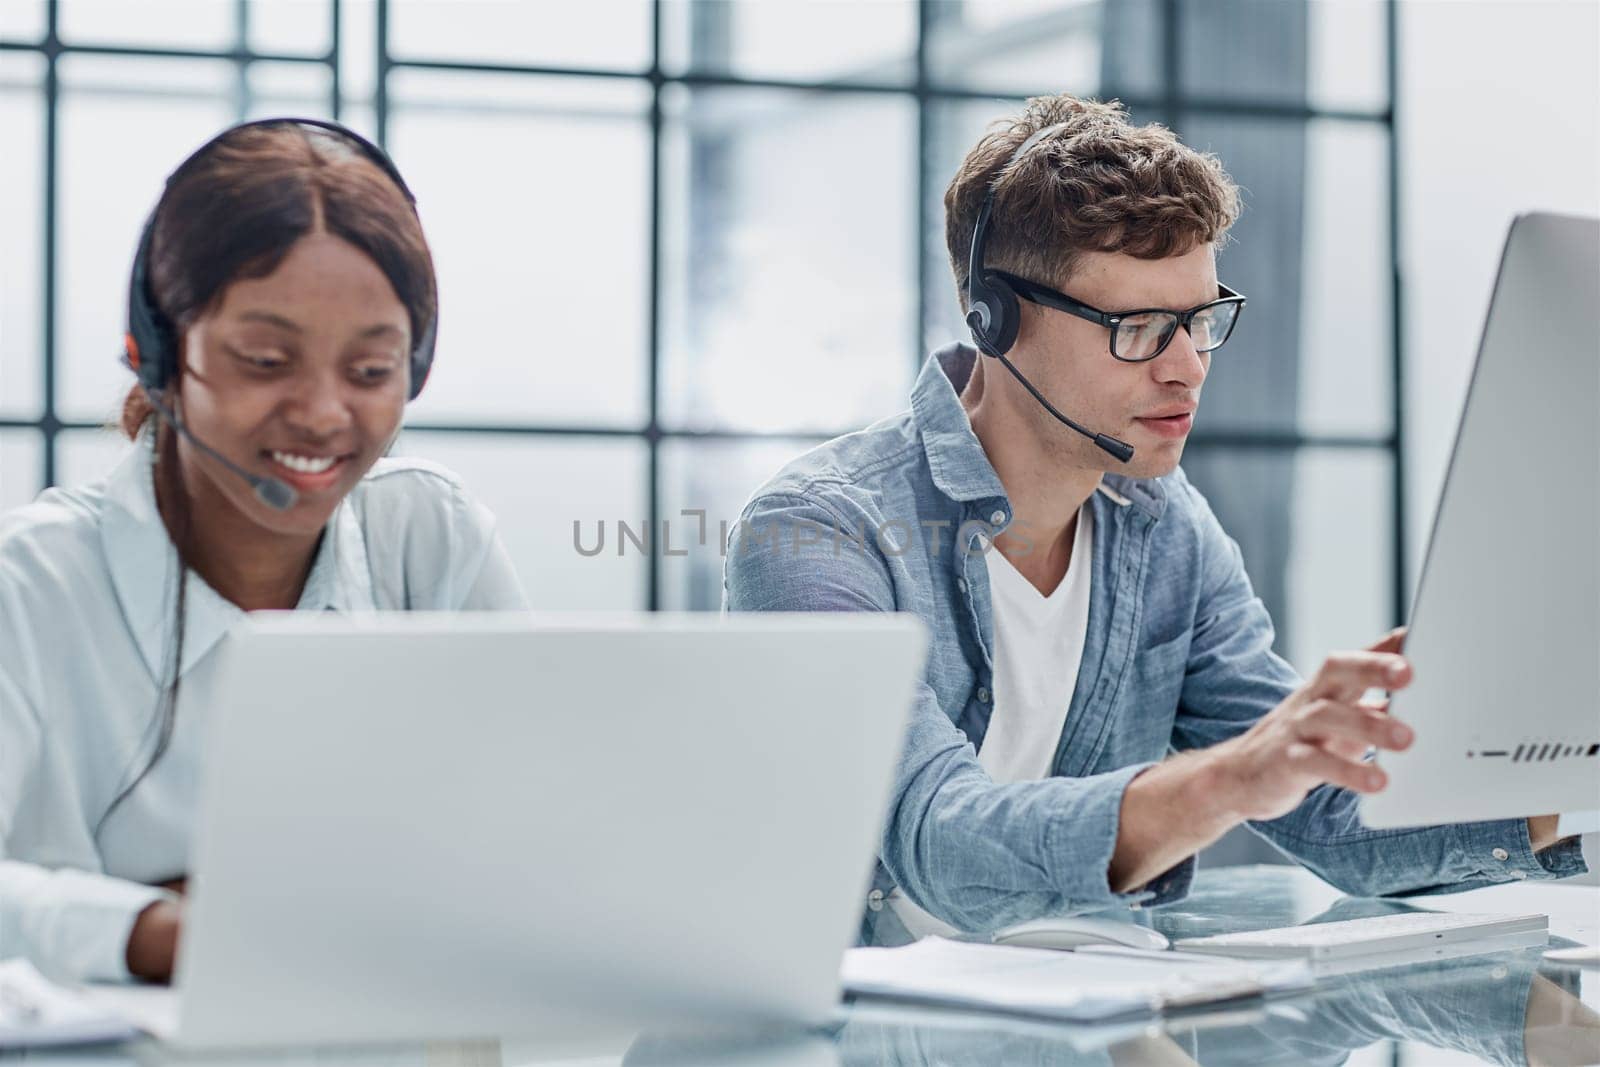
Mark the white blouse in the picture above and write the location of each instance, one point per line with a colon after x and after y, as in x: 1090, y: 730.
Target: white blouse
x: 87, y: 588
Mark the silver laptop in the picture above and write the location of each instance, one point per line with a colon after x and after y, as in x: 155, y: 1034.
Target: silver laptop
x: 424, y: 826
x: 1505, y: 628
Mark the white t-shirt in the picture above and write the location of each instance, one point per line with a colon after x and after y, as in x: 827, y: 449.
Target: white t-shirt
x: 86, y: 579
x: 1038, y: 646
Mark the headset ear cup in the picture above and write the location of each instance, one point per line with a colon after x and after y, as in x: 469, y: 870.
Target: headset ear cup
x: 150, y: 347
x: 981, y: 313
x: 994, y: 318
x: 1008, y: 316
x: 978, y: 323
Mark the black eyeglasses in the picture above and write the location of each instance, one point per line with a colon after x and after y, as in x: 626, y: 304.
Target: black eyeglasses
x: 1142, y: 334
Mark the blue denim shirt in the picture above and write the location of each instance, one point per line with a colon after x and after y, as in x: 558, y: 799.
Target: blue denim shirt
x: 1178, y: 655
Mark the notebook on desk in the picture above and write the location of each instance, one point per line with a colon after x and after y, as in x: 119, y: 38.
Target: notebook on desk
x: 1048, y: 983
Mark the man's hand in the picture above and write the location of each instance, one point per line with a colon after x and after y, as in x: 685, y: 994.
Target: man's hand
x: 153, y: 943
x: 1319, y: 734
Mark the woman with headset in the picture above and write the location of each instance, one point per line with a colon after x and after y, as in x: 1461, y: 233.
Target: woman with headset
x: 282, y: 310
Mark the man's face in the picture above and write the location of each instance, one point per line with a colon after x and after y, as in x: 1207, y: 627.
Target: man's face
x: 1069, y: 360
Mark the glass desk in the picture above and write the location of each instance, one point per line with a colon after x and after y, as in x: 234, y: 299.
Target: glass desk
x: 1513, y: 1007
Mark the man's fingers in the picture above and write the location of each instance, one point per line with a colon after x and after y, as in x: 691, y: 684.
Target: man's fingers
x: 1328, y: 719
x: 1393, y: 641
x: 1344, y: 748
x: 1309, y: 759
x: 1344, y: 676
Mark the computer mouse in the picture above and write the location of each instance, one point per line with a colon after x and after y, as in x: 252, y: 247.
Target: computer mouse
x: 1073, y: 931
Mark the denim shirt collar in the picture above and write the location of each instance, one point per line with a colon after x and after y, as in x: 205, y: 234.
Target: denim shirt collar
x: 141, y: 561
x: 961, y: 470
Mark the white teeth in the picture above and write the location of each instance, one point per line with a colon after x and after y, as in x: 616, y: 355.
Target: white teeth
x: 305, y: 464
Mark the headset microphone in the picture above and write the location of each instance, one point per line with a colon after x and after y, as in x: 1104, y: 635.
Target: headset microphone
x: 279, y: 496
x: 996, y: 311
x: 1118, y: 448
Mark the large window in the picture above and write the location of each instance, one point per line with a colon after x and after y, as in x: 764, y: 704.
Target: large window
x: 680, y: 241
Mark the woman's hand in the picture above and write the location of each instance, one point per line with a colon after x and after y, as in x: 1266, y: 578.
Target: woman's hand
x: 153, y: 944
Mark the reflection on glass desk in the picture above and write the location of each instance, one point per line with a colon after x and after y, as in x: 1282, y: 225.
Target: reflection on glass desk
x: 1510, y: 1007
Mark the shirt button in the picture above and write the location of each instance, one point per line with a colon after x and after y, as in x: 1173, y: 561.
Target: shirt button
x: 1500, y: 854
x: 961, y: 584
x: 1519, y: 875
x: 1136, y: 906
x: 875, y: 900
x: 983, y: 696
x: 997, y: 519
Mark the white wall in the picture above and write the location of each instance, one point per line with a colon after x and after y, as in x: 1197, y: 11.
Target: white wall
x: 1499, y: 113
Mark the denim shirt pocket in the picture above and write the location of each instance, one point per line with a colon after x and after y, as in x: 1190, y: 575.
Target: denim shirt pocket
x: 1152, y: 702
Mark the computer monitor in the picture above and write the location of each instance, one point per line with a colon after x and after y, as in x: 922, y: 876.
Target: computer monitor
x: 1505, y: 628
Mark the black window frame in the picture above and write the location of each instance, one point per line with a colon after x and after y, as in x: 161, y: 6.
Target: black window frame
x: 1172, y: 105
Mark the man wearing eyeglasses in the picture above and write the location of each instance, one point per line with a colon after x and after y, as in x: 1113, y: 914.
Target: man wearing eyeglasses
x: 1101, y: 699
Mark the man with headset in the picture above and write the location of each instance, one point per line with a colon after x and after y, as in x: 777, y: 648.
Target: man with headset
x: 1088, y: 612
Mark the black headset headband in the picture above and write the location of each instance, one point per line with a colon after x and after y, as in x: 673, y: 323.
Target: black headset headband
x: 151, y: 344
x: 992, y: 308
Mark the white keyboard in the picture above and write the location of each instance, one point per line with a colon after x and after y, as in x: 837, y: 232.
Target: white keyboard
x: 1398, y: 933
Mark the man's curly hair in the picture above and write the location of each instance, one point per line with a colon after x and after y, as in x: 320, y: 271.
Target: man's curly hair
x: 1099, y: 184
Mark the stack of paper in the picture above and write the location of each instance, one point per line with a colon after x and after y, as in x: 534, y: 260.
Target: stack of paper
x: 1077, y: 986
x: 34, y: 1011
